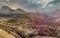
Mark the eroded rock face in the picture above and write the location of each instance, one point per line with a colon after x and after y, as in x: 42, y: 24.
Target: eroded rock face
x: 19, y: 24
x: 5, y: 34
x: 27, y: 27
x: 44, y: 25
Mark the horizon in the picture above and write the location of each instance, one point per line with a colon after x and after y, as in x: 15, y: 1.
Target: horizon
x: 47, y: 6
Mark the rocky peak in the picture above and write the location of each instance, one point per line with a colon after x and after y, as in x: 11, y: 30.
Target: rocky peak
x: 7, y: 10
x: 5, y: 7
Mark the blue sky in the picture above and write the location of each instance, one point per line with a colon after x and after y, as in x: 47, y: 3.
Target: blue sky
x: 33, y: 5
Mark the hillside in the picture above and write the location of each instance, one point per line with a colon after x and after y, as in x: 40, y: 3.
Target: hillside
x: 20, y: 24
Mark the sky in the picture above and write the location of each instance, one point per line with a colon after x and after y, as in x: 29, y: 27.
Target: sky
x: 43, y: 6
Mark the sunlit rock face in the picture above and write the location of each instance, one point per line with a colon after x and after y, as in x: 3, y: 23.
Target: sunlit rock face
x: 7, y: 35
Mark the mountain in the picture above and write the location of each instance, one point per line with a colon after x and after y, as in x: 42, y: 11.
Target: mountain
x: 7, y: 10
x: 42, y: 16
x: 56, y: 15
x: 18, y: 11
x: 25, y: 24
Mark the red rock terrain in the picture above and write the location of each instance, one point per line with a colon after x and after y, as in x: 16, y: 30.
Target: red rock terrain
x: 29, y: 25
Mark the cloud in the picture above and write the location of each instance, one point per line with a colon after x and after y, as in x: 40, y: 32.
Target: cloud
x: 55, y: 2
x: 32, y: 5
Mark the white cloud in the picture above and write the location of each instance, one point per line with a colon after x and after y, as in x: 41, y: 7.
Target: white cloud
x: 50, y: 5
x: 45, y: 2
x: 31, y: 5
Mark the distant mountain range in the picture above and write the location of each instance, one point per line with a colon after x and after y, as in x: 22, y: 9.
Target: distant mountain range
x: 7, y: 10
x: 56, y: 15
x: 52, y: 17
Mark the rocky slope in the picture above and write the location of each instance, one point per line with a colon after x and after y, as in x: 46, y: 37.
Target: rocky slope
x: 20, y: 24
